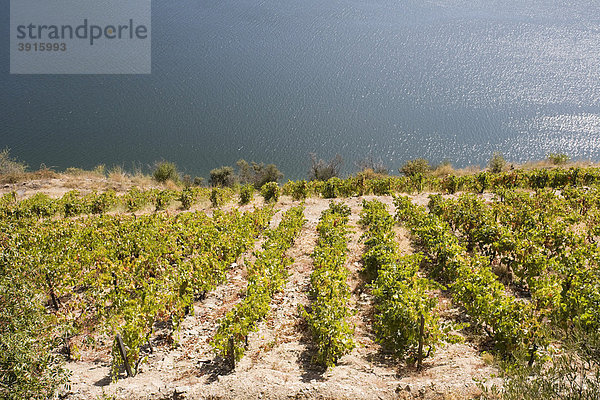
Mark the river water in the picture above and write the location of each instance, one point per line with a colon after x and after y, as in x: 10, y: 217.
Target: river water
x: 274, y: 80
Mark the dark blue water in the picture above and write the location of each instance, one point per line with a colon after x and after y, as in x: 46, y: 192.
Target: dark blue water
x: 275, y: 80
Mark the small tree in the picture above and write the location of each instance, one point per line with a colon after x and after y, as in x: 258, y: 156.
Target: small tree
x: 222, y: 177
x: 368, y: 164
x: 497, y: 162
x: 257, y: 174
x: 245, y: 172
x: 321, y: 170
x: 415, y: 167
x: 198, y: 181
x: 270, y: 173
x: 166, y: 171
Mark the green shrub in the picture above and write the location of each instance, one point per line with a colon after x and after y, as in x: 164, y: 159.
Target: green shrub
x: 166, y: 171
x: 558, y: 158
x: 329, y: 315
x: 381, y: 187
x: 401, y: 301
x: 415, y: 167
x: 450, y: 184
x: 497, y: 163
x: 73, y: 204
x: 270, y: 192
x: 417, y: 182
x: 29, y: 369
x: 483, y: 181
x: 39, y: 205
x: 222, y: 177
x: 331, y: 188
x: 246, y: 194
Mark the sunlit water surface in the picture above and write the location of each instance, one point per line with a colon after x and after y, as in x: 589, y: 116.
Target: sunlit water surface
x: 275, y: 80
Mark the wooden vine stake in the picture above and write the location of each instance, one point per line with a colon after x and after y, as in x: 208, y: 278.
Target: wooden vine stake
x: 532, y: 355
x: 124, y: 355
x: 52, y: 295
x: 231, y: 353
x: 420, y: 351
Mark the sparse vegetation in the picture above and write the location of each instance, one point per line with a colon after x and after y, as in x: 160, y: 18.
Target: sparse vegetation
x: 29, y: 369
x: 321, y: 170
x: 198, y: 181
x: 571, y: 373
x: 443, y: 169
x: 369, y: 165
x: 10, y: 165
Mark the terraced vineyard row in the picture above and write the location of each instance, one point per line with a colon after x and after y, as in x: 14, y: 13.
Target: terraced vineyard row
x: 266, y: 277
x: 73, y: 203
x: 406, y: 315
x: 329, y: 310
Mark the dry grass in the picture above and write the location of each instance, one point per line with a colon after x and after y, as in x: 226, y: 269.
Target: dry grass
x: 368, y: 173
x: 547, y: 164
x: 28, y: 176
x: 141, y: 180
x: 82, y: 173
x: 171, y: 185
x: 443, y: 170
x: 117, y: 174
x: 447, y: 169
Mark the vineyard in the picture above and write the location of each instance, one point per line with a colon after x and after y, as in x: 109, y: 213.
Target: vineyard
x: 396, y: 287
